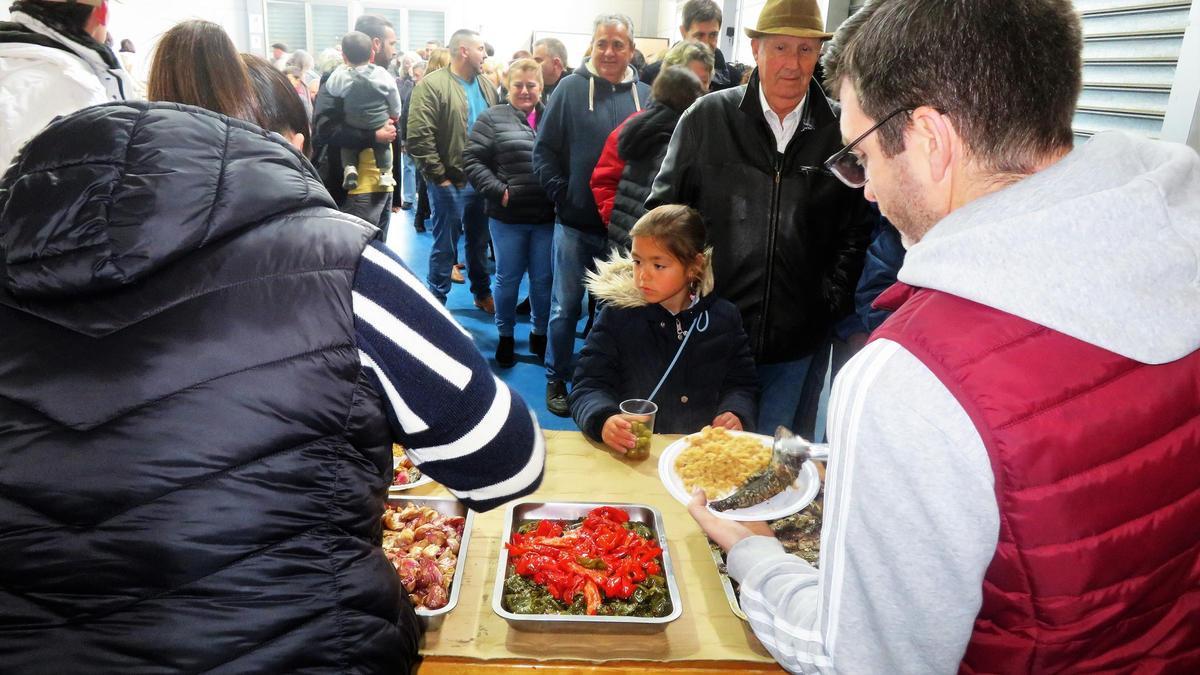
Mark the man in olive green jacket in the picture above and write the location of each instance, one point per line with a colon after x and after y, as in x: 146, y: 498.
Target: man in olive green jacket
x: 442, y: 110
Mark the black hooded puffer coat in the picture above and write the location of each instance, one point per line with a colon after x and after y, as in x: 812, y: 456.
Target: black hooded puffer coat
x: 192, y: 465
x: 642, y: 144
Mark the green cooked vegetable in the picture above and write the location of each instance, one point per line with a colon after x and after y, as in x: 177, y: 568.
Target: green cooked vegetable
x: 591, y: 563
x: 640, y: 529
x: 523, y: 596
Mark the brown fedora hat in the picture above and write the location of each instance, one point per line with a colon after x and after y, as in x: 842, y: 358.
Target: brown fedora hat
x: 797, y: 18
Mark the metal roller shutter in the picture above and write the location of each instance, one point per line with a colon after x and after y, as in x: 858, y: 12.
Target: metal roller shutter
x: 286, y: 24
x: 1130, y: 53
x: 329, y: 24
x: 424, y: 26
x: 396, y: 17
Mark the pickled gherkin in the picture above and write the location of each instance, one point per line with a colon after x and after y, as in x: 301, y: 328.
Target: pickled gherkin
x: 642, y: 433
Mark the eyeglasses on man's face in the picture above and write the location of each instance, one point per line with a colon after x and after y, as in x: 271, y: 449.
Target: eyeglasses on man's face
x: 845, y: 164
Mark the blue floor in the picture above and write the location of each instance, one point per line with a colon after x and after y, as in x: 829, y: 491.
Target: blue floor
x: 528, y: 377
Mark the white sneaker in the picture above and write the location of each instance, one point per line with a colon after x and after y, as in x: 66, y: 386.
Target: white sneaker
x: 350, y: 177
x: 387, y: 180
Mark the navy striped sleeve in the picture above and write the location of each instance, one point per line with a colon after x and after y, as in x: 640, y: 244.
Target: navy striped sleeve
x: 459, y: 423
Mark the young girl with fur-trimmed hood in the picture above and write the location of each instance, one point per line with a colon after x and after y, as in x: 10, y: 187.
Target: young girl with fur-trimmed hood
x: 651, y: 300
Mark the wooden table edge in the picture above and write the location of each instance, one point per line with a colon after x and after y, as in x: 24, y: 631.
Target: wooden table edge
x: 436, y: 665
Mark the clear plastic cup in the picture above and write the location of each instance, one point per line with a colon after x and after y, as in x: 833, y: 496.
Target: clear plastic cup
x: 640, y: 413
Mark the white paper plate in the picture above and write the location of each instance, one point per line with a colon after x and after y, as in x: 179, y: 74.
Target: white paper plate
x: 799, y: 495
x: 401, y: 488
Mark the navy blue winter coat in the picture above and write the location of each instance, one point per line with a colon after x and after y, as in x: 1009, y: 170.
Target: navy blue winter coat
x: 885, y: 257
x: 582, y: 113
x: 629, y: 349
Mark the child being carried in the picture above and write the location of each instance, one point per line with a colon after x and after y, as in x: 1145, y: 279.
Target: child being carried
x: 369, y: 99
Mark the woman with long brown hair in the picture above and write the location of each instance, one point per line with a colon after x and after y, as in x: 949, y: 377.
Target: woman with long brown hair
x: 196, y: 63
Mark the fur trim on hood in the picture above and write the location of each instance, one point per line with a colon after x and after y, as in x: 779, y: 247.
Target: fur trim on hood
x: 612, y: 282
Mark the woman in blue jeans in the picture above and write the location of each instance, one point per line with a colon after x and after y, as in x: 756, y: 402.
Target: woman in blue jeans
x: 499, y: 164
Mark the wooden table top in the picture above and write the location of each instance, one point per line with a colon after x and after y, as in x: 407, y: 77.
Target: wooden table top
x: 707, y: 638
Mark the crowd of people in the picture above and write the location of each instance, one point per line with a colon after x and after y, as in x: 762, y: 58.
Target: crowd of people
x: 208, y: 350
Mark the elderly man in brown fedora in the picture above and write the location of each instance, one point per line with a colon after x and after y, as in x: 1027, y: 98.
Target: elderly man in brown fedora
x: 788, y: 238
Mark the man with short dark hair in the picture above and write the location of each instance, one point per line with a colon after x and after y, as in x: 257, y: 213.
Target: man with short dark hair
x: 444, y: 106
x: 702, y: 23
x: 371, y: 200
x: 430, y: 45
x: 53, y: 62
x: 590, y: 103
x: 788, y: 239
x: 1012, y: 484
x: 551, y: 53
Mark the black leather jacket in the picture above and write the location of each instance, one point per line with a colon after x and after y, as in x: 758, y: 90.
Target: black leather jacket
x: 788, y: 237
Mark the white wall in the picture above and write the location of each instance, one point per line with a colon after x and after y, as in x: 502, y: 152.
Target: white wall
x: 144, y: 21
x: 508, y: 24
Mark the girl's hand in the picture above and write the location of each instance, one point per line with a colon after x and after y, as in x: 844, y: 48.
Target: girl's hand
x: 617, y: 434
x: 728, y: 420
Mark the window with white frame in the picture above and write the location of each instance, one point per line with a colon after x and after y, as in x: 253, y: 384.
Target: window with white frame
x: 315, y: 26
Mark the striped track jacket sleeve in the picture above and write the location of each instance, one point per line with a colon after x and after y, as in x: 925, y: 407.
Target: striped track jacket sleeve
x: 459, y: 423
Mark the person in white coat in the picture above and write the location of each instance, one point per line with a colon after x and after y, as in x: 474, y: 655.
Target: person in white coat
x: 53, y: 62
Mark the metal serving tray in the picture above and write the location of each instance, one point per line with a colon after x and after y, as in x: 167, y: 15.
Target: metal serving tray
x: 431, y: 619
x: 726, y: 582
x: 584, y: 624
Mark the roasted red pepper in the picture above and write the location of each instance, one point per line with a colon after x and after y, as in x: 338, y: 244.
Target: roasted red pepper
x: 551, y: 556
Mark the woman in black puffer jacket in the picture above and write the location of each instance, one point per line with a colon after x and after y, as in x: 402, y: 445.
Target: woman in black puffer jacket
x: 499, y: 163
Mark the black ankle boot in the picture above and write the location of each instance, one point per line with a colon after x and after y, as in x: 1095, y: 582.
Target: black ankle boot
x: 504, y: 352
x: 537, y: 345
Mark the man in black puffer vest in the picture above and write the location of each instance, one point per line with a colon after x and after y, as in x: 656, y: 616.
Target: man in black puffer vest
x: 199, y: 405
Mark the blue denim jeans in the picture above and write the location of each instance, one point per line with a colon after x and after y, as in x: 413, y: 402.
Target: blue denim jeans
x: 574, y: 252
x: 408, y: 175
x: 519, y: 248
x: 456, y: 211
x: 781, y: 386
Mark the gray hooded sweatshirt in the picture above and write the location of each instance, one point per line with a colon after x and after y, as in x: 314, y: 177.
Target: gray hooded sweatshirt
x: 1103, y: 246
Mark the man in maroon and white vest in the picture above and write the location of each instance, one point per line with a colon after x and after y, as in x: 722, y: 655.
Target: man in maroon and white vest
x: 1013, y: 483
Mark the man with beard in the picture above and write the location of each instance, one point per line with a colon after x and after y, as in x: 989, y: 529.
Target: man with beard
x: 444, y: 107
x: 1012, y: 482
x: 370, y: 201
